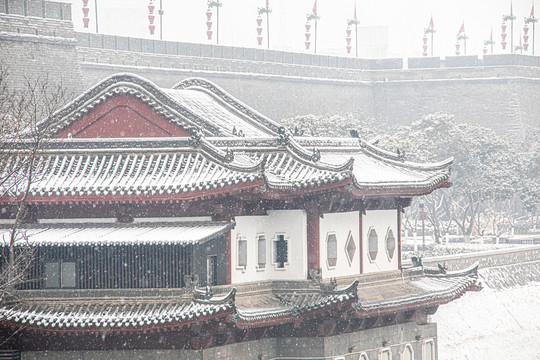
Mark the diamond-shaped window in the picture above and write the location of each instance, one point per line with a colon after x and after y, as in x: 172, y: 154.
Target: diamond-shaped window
x: 350, y: 248
x: 373, y: 244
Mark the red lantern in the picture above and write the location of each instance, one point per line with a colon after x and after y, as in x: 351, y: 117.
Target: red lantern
x: 503, y: 27
x: 86, y: 21
x: 308, y: 26
x: 484, y: 50
x: 259, y: 21
x: 425, y: 47
x: 425, y: 39
x: 458, y: 45
x: 503, y: 43
x: 348, y: 31
x: 525, y: 46
x: 525, y: 29
x: 152, y: 27
x: 151, y: 8
x: 208, y: 15
x: 503, y: 35
x: 526, y: 38
x: 259, y: 30
x: 349, y: 47
x: 457, y: 53
x: 209, y: 25
x: 151, y: 18
x: 259, y: 39
x: 85, y: 11
x: 209, y: 34
x: 348, y: 40
x: 85, y: 2
x: 307, y: 44
x: 424, y: 54
x: 308, y: 35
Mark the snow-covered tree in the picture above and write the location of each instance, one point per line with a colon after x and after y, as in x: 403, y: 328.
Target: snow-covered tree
x: 22, y: 141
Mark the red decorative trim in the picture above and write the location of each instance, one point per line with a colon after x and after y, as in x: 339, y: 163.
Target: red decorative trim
x: 119, y: 117
x: 360, y: 241
x: 399, y: 234
x: 313, y: 233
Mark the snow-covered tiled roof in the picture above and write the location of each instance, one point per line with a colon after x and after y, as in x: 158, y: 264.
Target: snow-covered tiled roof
x: 277, y: 303
x: 192, y: 104
x: 231, y: 146
x: 116, y: 234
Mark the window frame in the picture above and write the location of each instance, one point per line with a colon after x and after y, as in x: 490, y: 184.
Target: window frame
x: 238, y: 240
x: 349, y: 259
x: 330, y: 266
x: 431, y: 344
x: 214, y: 270
x: 258, y: 266
x: 372, y: 259
x: 390, y: 231
x: 385, y: 350
x: 274, y: 251
x: 60, y: 273
x: 407, y: 346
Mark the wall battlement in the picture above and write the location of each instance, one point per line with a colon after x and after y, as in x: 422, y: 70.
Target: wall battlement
x: 37, y: 8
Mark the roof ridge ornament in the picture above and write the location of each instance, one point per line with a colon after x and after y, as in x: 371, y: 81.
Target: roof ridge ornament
x: 284, y: 136
x: 196, y: 137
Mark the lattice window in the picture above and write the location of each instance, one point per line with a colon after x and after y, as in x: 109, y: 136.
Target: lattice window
x: 242, y: 253
x: 281, y: 252
x: 390, y: 243
x: 331, y: 250
x: 350, y: 248
x: 211, y: 270
x: 373, y: 244
x: 60, y: 274
x: 261, y: 251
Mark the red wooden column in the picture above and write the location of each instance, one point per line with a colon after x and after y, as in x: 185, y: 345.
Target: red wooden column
x: 399, y: 234
x: 313, y: 238
x: 360, y: 242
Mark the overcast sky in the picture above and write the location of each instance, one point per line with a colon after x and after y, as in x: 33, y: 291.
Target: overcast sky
x: 184, y: 20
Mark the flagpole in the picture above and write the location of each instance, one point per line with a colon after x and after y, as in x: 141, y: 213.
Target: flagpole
x: 315, y: 36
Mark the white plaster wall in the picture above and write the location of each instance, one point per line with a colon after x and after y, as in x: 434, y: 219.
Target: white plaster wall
x: 340, y: 224
x: 381, y: 220
x: 291, y: 223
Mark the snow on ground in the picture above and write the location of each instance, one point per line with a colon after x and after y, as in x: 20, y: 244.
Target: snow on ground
x: 500, y: 322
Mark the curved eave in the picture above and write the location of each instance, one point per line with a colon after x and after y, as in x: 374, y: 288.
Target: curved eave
x: 142, y: 327
x: 421, y: 301
x: 402, y: 189
x: 118, y: 198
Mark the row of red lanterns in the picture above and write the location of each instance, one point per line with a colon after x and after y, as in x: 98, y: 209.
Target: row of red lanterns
x: 85, y: 10
x: 259, y: 30
x: 151, y: 17
x: 308, y: 35
x: 209, y: 24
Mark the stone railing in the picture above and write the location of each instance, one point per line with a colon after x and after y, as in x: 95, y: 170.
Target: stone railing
x: 487, y: 259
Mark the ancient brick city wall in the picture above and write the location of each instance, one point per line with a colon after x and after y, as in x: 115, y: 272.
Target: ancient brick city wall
x: 39, y: 44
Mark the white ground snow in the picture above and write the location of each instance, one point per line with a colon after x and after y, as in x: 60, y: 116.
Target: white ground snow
x: 492, y: 324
